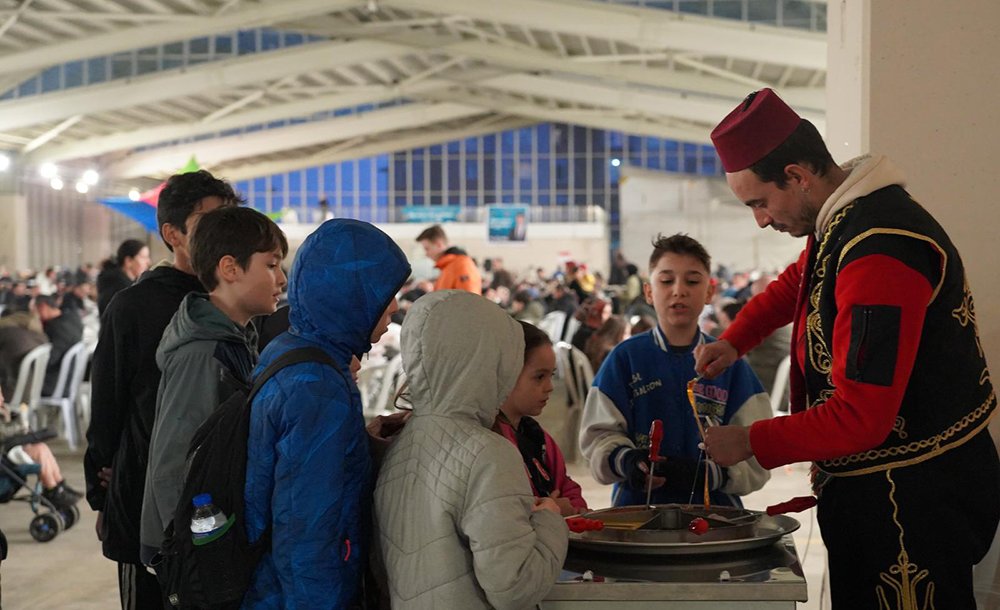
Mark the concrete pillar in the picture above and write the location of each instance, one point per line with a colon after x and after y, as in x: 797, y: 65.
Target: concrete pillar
x: 13, y: 222
x: 917, y: 80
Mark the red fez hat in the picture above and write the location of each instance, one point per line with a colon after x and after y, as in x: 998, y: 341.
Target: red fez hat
x: 756, y: 127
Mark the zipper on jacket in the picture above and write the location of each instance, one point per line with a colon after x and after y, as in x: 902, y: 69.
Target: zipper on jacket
x: 859, y: 359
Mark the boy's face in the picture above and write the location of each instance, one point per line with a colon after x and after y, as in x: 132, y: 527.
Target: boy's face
x: 259, y: 287
x: 678, y: 289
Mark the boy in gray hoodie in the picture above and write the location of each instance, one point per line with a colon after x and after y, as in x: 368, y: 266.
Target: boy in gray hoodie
x: 209, y: 348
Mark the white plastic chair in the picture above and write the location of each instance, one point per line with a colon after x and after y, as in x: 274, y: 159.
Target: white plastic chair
x: 71, y: 371
x: 30, y: 377
x: 572, y: 325
x: 553, y: 324
x: 575, y: 371
x: 780, y: 381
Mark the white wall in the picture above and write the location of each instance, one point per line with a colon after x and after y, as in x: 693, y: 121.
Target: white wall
x: 704, y: 208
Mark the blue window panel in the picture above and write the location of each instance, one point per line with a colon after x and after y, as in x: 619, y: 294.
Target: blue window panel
x: 507, y: 198
x: 97, y: 70
x: 277, y: 200
x: 525, y: 176
x: 347, y: 205
x: 383, y: 202
x: 763, y: 12
x: 365, y: 175
x: 507, y: 174
x: 247, y: 41
x: 199, y: 45
x: 489, y: 144
x: 312, y: 183
x: 418, y: 175
x: 242, y: 187
x: 542, y: 132
x: 454, y: 147
x: 690, y: 156
x: 293, y: 39
x: 698, y: 7
x: 507, y: 142
x: 224, y: 44
x: 174, y: 48
x: 489, y: 183
x: 418, y: 153
x: 562, y: 199
x: 634, y: 159
x: 170, y: 64
x: 580, y: 136
x: 259, y: 185
x: 526, y: 138
x: 365, y: 202
x: 418, y: 200
x: 121, y: 67
x: 597, y: 167
x: 560, y: 137
x: 436, y: 200
x: 382, y: 176
x: 673, y: 162
x: 616, y: 140
x: 580, y: 199
x: 436, y: 172
x: 436, y: 150
x: 295, y: 201
x: 50, y: 79
x: 347, y: 177
x: 489, y: 198
x: 653, y: 147
x: 454, y: 175
x: 471, y: 145
x: 654, y: 162
x: 544, y: 199
x: 270, y: 39
x: 634, y: 145
x: 562, y: 173
x: 709, y: 165
x: 399, y: 171
x: 295, y: 181
x: 472, y: 200
x: 580, y: 173
x: 401, y: 199
x: 329, y: 180
x: 277, y: 183
x: 542, y: 176
x: 614, y: 174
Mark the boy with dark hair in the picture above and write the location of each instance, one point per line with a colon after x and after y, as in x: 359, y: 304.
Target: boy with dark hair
x: 646, y: 377
x: 208, y: 348
x: 458, y: 270
x: 125, y: 379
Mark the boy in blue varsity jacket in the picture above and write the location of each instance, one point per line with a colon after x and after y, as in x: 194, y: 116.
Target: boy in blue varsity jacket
x: 645, y: 378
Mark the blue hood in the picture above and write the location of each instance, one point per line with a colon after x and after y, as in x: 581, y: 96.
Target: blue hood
x: 343, y: 278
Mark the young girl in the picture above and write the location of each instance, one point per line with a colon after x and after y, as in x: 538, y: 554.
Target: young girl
x: 542, y: 458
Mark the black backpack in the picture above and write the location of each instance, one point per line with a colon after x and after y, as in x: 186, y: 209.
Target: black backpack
x: 216, y: 573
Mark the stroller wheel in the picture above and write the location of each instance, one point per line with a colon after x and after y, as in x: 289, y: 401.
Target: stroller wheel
x: 44, y: 527
x: 70, y: 515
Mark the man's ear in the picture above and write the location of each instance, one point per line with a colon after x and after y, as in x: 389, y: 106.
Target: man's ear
x: 798, y: 175
x: 171, y: 235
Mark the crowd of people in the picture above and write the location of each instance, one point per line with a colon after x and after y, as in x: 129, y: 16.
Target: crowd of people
x: 459, y: 499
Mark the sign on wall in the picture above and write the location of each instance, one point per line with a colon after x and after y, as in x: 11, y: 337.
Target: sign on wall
x: 507, y: 223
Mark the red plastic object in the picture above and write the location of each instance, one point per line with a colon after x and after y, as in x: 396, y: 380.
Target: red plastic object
x: 794, y: 505
x: 655, y: 438
x: 698, y: 526
x: 583, y: 524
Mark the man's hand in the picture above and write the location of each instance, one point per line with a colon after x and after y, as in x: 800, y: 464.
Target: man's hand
x: 387, y: 426
x: 546, y: 504
x: 711, y: 359
x: 98, y: 526
x: 728, y: 445
x: 104, y: 476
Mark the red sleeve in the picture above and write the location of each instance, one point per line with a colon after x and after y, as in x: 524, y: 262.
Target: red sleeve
x: 859, y: 415
x: 568, y: 488
x: 768, y: 311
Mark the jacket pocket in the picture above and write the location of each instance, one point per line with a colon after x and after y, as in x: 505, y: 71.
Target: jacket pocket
x: 874, y: 344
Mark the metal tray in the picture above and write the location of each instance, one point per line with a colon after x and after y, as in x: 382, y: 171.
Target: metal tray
x: 662, y: 530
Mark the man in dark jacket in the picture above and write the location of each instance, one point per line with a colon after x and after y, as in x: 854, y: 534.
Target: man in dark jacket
x: 125, y: 380
x: 63, y: 331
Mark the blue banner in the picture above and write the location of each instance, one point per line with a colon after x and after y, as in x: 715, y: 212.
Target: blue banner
x: 508, y: 223
x: 431, y: 213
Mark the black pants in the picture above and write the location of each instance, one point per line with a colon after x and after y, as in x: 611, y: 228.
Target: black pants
x: 138, y: 588
x: 907, y: 538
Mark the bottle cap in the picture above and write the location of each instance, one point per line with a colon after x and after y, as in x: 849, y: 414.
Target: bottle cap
x: 201, y: 500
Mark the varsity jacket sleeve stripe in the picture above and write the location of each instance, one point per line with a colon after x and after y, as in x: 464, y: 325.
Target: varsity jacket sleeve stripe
x: 603, y: 432
x: 768, y: 311
x: 748, y: 476
x: 860, y: 414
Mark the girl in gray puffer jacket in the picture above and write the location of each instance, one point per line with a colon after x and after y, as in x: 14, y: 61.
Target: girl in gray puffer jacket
x: 458, y: 524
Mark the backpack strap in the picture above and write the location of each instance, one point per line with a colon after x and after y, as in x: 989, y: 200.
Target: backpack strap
x: 295, y: 356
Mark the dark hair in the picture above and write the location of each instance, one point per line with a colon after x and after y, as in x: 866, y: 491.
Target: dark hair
x: 804, y: 147
x: 128, y: 249
x: 47, y: 299
x: 232, y: 231
x: 679, y: 243
x: 604, y: 339
x: 183, y: 194
x: 534, y: 337
x: 432, y: 233
x: 523, y: 296
x: 731, y: 309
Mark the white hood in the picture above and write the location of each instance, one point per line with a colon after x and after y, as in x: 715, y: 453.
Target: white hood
x: 462, y: 355
x: 868, y: 174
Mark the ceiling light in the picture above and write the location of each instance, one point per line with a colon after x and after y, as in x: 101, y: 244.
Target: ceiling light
x: 48, y: 170
x: 91, y: 177
x: 616, y: 162
x: 134, y: 194
x: 82, y: 187
x: 56, y: 183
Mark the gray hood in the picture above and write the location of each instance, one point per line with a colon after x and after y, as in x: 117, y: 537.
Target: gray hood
x: 462, y: 355
x: 198, y: 320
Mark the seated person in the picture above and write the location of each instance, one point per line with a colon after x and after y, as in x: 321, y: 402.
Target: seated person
x: 542, y: 457
x: 63, y: 330
x: 645, y: 378
x: 458, y: 524
x: 15, y: 343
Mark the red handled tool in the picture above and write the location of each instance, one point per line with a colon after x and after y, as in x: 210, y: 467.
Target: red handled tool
x: 655, y: 438
x: 795, y: 505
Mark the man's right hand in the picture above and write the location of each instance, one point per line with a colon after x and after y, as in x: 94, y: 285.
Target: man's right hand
x: 712, y: 359
x: 546, y: 504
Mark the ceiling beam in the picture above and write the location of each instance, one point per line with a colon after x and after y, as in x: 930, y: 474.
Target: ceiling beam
x: 195, y: 80
x: 163, y: 161
x: 381, y: 147
x: 250, y: 16
x: 645, y: 28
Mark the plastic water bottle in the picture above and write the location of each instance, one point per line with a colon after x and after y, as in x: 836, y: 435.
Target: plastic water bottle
x: 206, y: 518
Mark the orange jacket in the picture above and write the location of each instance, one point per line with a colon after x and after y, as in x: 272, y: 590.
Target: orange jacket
x: 458, y: 271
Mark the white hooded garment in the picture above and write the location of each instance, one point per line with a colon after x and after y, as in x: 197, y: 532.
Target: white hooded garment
x: 453, y: 503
